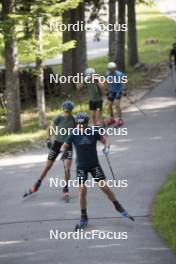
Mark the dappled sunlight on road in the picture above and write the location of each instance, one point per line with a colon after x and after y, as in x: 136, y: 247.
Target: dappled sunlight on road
x: 155, y: 138
x: 5, y: 243
x: 125, y: 140
x: 23, y: 159
x: 50, y: 204
x: 155, y: 103
x: 159, y: 102
x: 23, y: 254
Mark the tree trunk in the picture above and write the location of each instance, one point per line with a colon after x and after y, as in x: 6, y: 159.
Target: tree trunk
x: 112, y: 34
x: 132, y: 35
x: 67, y: 55
x: 120, y: 57
x: 11, y: 65
x: 40, y: 76
x: 79, y: 56
x: 75, y: 60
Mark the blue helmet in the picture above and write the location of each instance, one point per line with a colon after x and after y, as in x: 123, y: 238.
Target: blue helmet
x: 68, y: 105
x: 82, y: 118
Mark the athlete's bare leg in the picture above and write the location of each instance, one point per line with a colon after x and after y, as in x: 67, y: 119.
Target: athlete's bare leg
x: 110, y: 194
x: 82, y: 196
x: 118, y: 108
x: 93, y: 117
x: 67, y: 168
x: 110, y: 105
x: 99, y: 118
x: 48, y: 165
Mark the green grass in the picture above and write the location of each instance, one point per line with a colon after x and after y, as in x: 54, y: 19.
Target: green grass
x: 153, y: 25
x: 164, y: 211
x: 30, y: 133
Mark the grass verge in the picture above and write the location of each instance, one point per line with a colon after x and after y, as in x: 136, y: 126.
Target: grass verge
x: 164, y: 211
x: 31, y: 134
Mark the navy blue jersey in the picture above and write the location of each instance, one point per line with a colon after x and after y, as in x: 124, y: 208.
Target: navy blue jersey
x: 86, y: 151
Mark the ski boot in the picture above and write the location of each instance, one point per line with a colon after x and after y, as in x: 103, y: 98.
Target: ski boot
x: 83, y: 223
x: 125, y: 214
x: 33, y: 189
x: 119, y: 122
x: 110, y: 121
x: 122, y: 211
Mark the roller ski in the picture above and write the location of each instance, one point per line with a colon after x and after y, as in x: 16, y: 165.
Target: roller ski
x: 33, y: 189
x: 119, y: 122
x: 122, y: 211
x: 66, y: 195
x: 111, y: 121
x: 82, y: 225
x: 125, y: 214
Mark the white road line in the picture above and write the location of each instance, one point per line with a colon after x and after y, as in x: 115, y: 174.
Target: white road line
x: 104, y: 246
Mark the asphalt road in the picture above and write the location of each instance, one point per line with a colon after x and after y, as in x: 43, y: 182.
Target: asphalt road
x: 144, y: 157
x: 167, y: 7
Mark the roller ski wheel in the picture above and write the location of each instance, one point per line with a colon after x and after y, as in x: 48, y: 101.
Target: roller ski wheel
x: 29, y: 193
x: 33, y: 189
x: 119, y: 122
x: 82, y: 225
x: 66, y: 197
x: 126, y: 215
x: 110, y: 121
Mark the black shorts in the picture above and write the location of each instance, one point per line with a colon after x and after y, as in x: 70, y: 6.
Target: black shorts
x: 114, y: 96
x: 95, y: 105
x: 96, y: 172
x: 55, y: 150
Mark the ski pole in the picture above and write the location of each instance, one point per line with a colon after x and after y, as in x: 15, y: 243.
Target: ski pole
x: 110, y: 167
x: 131, y: 102
x: 124, y: 213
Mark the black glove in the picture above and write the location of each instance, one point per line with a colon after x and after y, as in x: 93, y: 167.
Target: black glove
x: 49, y: 143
